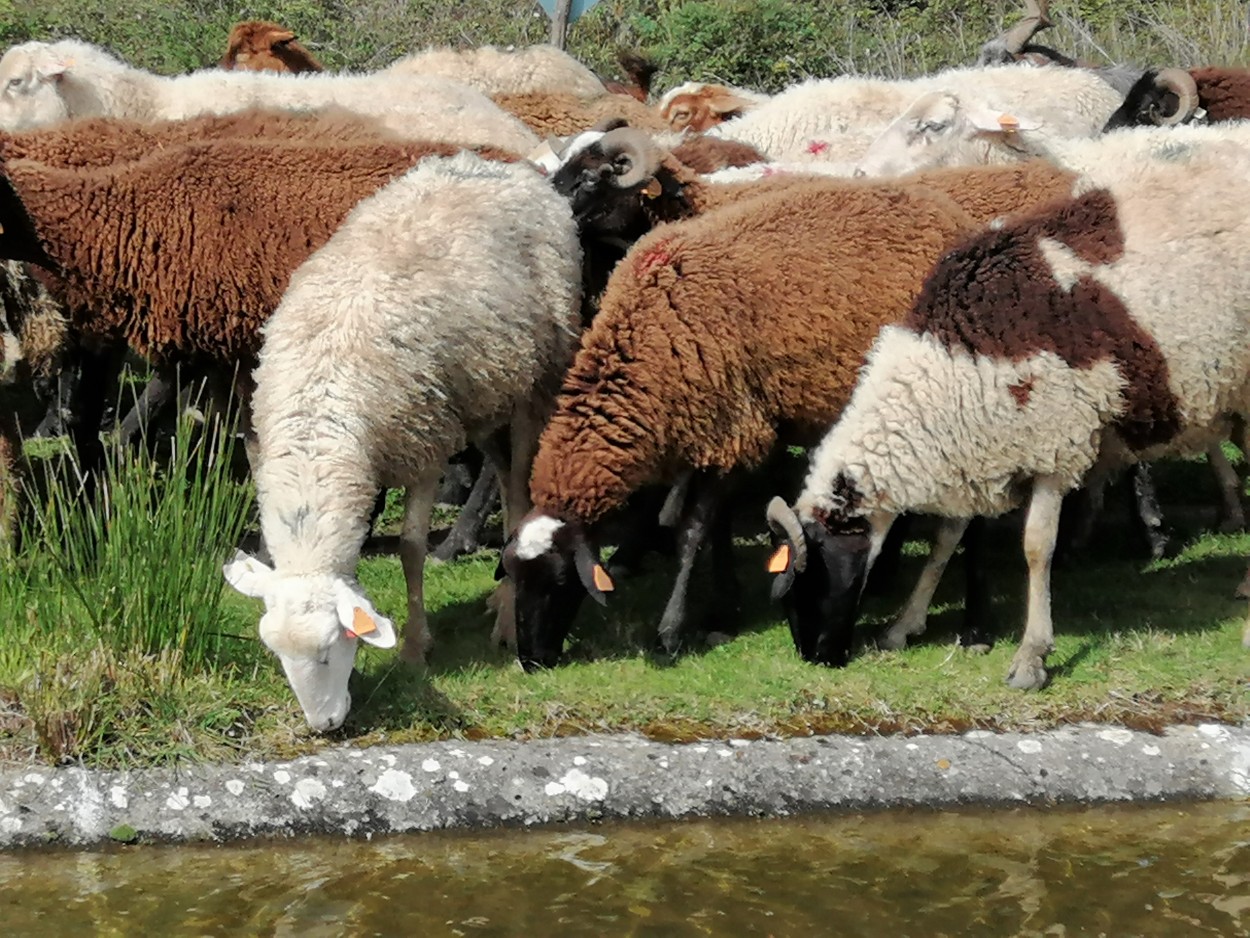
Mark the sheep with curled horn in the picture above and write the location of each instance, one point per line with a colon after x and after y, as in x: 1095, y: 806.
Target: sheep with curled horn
x: 1162, y: 98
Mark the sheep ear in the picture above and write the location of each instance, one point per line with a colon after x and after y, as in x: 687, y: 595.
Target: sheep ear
x: 247, y: 575
x: 989, y: 120
x: 280, y: 37
x: 592, y: 574
x: 727, y: 103
x: 781, y: 562
x: 360, y: 620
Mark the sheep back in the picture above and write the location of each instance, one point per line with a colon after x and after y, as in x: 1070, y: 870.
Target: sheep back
x: 552, y: 113
x: 1223, y: 92
x: 718, y: 333
x: 537, y: 68
x: 188, y: 251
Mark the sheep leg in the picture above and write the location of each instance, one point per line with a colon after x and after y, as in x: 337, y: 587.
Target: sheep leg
x: 643, y: 527
x: 1028, y: 667
x: 466, y: 533
x: 412, y: 550
x: 156, y: 396
x: 912, y: 618
x: 699, y: 514
x: 1232, y: 516
x: 97, y: 373
x: 514, y: 494
x: 978, y: 632
x: 725, y: 617
x: 1146, y: 511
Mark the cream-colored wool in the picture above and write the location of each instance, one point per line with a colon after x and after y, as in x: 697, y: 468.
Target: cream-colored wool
x: 43, y: 83
x: 505, y: 71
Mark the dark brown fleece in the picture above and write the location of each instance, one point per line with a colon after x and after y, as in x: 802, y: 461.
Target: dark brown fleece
x: 262, y: 46
x: 552, y: 113
x: 187, y: 252
x: 708, y: 154
x: 103, y: 141
x: 1223, y: 92
x: 719, y: 334
x: 996, y: 296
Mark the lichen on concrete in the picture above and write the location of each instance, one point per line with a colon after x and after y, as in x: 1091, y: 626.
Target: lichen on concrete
x: 358, y: 792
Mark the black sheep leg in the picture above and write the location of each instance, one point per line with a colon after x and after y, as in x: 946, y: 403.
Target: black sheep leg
x: 705, y: 490
x: 465, y: 535
x: 978, y: 628
x: 725, y: 615
x: 97, y: 373
x: 1146, y: 513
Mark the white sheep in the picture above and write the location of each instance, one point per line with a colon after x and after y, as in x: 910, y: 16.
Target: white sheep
x: 445, y: 308
x: 838, y: 119
x: 505, y: 71
x: 43, y: 83
x: 1110, y: 327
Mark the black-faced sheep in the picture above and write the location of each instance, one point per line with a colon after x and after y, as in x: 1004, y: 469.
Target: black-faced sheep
x: 1035, y: 353
x: 1172, y: 96
x: 443, y: 309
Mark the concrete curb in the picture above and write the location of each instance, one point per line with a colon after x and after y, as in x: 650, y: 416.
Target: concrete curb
x: 359, y: 792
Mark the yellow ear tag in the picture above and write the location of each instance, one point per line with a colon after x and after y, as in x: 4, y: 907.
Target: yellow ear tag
x: 652, y: 189
x: 603, y: 582
x: 362, y: 624
x: 1008, y: 123
x: 780, y: 559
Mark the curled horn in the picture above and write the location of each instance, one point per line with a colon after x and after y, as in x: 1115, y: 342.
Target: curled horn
x: 783, y: 521
x: 1008, y: 46
x: 1182, y: 84
x: 634, y: 157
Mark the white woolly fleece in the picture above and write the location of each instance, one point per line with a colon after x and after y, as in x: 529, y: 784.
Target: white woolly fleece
x: 494, y: 71
x: 536, y: 537
x: 93, y: 83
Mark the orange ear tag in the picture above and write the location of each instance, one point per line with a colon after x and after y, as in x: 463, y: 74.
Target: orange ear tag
x: 362, y: 624
x: 652, y: 189
x: 780, y: 559
x: 1008, y: 123
x: 603, y: 582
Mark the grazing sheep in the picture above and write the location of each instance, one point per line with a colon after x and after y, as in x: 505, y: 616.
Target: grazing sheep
x: 262, y: 46
x: 44, y: 83
x: 538, y: 68
x: 717, y: 337
x: 1037, y: 352
x: 1172, y: 96
x: 694, y: 107
x: 838, y: 119
x: 443, y: 309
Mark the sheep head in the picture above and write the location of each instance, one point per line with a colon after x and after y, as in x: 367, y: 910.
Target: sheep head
x: 1159, y: 98
x: 30, y: 78
x: 821, y: 564
x: 553, y: 566
x: 941, y: 129
x: 262, y: 46
x: 694, y: 107
x: 312, y: 623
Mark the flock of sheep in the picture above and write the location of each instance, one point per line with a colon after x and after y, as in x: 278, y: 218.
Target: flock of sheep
x: 970, y: 291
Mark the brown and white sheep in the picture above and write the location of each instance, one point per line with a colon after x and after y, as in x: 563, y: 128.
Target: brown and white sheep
x: 550, y: 113
x: 694, y: 107
x: 264, y: 46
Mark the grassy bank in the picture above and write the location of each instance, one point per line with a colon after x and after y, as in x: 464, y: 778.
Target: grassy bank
x: 143, y: 659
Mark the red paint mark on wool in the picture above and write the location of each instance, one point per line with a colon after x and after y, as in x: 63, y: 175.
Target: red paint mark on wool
x: 816, y: 147
x: 658, y: 256
x: 1022, y: 391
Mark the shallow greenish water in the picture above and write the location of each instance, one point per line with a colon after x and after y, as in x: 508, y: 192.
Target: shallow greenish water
x: 1114, y: 871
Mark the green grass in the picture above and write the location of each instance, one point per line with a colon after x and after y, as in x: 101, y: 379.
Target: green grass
x: 1137, y: 645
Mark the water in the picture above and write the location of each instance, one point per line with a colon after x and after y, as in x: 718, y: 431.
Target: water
x: 1112, y: 871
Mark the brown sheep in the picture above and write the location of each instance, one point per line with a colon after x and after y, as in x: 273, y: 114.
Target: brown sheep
x: 639, y: 71
x: 168, y: 252
x: 262, y: 46
x: 549, y: 113
x: 698, y: 107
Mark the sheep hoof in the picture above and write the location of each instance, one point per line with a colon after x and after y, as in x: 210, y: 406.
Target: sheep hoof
x: 895, y: 637
x: 716, y: 639
x: 415, y: 654
x: 1028, y: 671
x: 1232, y: 525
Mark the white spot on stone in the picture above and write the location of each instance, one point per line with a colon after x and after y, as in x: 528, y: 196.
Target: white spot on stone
x: 699, y: 749
x: 485, y: 760
x: 33, y: 778
x: 664, y: 763
x: 1030, y: 746
x: 537, y: 537
x: 1120, y: 737
x: 740, y: 742
x: 912, y: 746
x: 388, y: 758
x: 1239, y: 769
x: 724, y: 753
x: 430, y: 765
x: 460, y: 785
x: 581, y: 786
x: 453, y: 775
x: 336, y: 783
x: 281, y: 777
x: 117, y: 795
x: 1150, y: 750
x: 1213, y: 731
x: 235, y: 787
x: 579, y: 760
x: 458, y: 753
x: 395, y: 786
x: 178, y: 800
x: 201, y: 801
x: 977, y: 734
x: 10, y: 825
x: 309, y: 791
